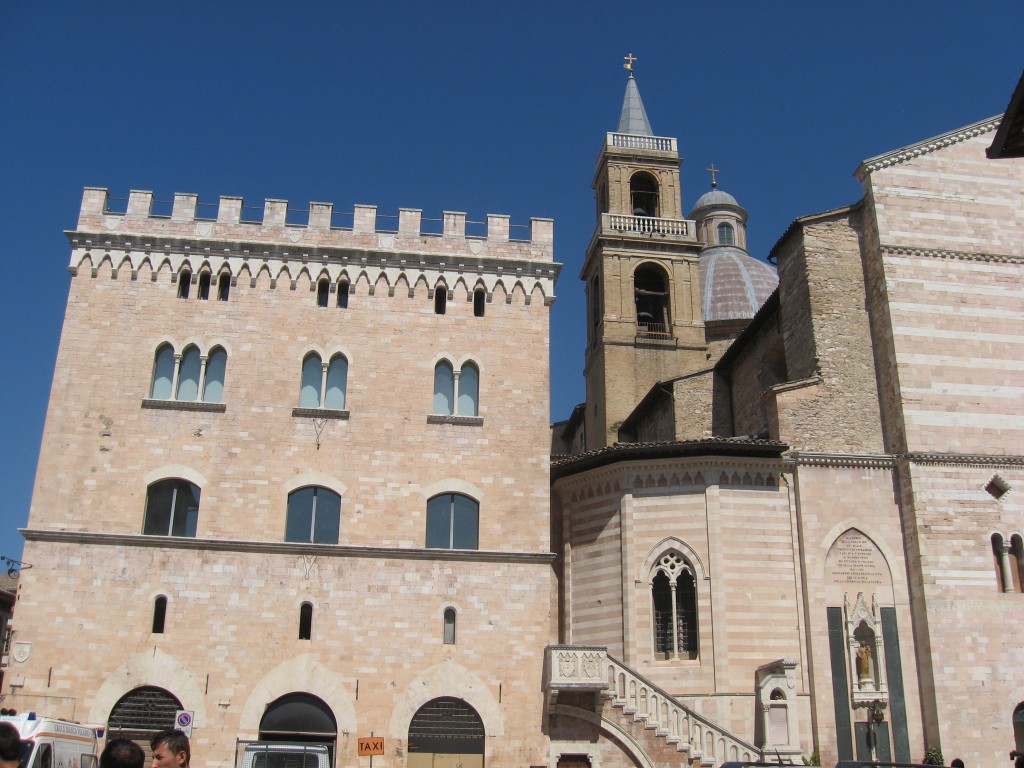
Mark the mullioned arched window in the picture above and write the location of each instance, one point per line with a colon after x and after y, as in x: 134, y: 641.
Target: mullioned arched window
x: 674, y: 602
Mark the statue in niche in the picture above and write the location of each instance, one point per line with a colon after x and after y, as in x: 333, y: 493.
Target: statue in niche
x: 863, y: 662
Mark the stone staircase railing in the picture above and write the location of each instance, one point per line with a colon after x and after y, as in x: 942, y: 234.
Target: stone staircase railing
x: 572, y: 667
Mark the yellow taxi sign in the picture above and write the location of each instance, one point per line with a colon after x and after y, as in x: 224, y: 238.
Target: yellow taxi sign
x: 371, y: 746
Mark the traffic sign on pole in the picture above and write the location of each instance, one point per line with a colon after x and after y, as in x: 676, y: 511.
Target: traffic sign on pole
x: 183, y: 721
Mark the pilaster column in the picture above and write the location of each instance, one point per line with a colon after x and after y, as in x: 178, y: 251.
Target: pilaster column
x: 177, y: 374
x: 1004, y: 566
x: 202, y: 378
x: 323, y: 383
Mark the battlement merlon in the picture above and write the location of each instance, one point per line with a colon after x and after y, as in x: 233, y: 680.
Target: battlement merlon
x: 183, y: 222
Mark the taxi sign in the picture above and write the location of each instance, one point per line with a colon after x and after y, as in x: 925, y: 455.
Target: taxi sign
x: 371, y: 746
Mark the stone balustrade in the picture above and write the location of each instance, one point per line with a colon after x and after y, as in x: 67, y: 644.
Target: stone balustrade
x: 583, y: 668
x: 647, y: 225
x: 637, y: 141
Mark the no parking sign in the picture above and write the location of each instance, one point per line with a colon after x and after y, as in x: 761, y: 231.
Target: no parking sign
x: 183, y: 721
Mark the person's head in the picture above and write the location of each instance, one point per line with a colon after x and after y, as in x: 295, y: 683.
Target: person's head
x: 10, y: 746
x: 122, y: 753
x: 170, y: 749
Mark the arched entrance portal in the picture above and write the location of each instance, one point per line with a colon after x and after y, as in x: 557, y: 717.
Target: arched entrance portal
x: 299, y: 717
x: 446, y: 733
x: 140, y: 713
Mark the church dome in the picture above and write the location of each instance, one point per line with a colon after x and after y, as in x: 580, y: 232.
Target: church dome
x: 715, y: 197
x: 733, y: 284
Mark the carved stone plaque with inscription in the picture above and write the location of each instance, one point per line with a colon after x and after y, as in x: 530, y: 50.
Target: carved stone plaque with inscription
x: 854, y: 559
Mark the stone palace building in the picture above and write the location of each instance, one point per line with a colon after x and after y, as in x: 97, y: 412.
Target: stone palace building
x: 292, y: 481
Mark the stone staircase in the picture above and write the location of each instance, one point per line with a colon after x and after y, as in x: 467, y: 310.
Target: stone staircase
x: 653, y: 718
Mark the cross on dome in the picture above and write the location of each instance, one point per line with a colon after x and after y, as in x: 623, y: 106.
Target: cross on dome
x: 629, y: 58
x: 712, y: 170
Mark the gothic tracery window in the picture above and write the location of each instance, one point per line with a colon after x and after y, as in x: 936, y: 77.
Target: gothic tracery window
x: 674, y: 596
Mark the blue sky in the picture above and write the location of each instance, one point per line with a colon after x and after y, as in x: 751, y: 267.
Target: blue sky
x: 478, y: 107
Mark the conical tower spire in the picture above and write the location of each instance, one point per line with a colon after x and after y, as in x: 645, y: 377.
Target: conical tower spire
x: 633, y: 118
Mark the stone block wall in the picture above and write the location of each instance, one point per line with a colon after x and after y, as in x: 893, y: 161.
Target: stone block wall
x: 234, y: 591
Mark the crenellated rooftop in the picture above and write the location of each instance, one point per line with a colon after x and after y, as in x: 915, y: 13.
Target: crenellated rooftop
x: 139, y: 217
x: 183, y: 238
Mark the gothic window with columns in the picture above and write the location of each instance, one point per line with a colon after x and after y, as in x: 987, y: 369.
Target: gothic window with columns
x: 456, y: 393
x: 323, y: 385
x: 674, y: 599
x: 189, y: 376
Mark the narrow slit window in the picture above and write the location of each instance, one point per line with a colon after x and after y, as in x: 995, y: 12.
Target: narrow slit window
x: 449, y: 626
x: 343, y: 294
x: 479, y: 302
x: 204, y: 286
x: 306, y: 621
x: 159, y: 614
x: 440, y: 299
x: 223, y: 286
x: 323, y: 290
x: 184, y: 283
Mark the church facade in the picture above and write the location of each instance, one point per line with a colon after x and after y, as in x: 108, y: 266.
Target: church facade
x: 797, y: 533
x: 291, y: 482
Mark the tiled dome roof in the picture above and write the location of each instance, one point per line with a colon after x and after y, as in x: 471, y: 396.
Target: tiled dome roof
x: 734, y: 284
x: 715, y: 197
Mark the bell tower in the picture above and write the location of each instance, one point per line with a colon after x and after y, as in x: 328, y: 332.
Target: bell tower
x: 641, y: 272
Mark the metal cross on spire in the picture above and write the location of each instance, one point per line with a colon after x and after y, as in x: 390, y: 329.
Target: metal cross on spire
x: 714, y: 181
x: 630, y: 58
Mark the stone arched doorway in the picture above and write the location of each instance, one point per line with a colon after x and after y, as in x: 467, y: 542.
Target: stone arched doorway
x: 141, y: 713
x: 299, y: 717
x: 446, y: 733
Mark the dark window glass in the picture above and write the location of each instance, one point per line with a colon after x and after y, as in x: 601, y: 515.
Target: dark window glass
x: 343, y: 295
x: 440, y: 297
x: 452, y: 522
x: 172, y: 508
x: 223, y: 286
x: 305, y: 621
x: 323, y: 289
x: 204, y: 286
x: 479, y: 299
x: 184, y: 283
x: 159, y: 615
x: 314, y: 516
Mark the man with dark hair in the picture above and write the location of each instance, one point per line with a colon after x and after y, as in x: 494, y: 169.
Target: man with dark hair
x: 122, y: 753
x: 10, y: 746
x: 170, y: 749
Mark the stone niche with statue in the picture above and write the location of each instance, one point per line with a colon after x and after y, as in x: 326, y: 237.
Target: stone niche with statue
x: 865, y: 652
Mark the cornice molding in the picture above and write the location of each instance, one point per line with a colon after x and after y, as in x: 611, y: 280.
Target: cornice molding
x: 857, y: 460
x: 965, y: 460
x: 284, y: 548
x: 926, y: 147
x: 939, y: 253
